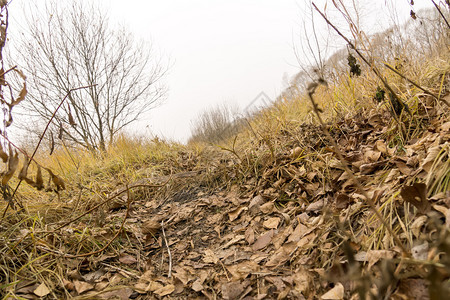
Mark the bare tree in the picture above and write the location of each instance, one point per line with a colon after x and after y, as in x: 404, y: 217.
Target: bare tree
x: 68, y: 47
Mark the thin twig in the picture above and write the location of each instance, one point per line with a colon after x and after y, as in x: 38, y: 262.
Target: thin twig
x: 106, y: 201
x: 41, y: 138
x: 440, y: 12
x: 372, y: 66
x: 168, y: 250
x: 127, y: 213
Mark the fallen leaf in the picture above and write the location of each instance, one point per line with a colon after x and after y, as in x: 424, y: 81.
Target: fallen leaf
x: 197, y: 286
x: 380, y: 145
x: 416, y: 226
x: 42, y: 290
x: 164, y: 291
x: 82, y: 286
x: 335, y: 293
x: 234, y: 214
x: 373, y: 256
x: 272, y: 223
x: 416, y: 194
x: 210, y: 257
x: 433, y: 152
x: 232, y: 290
x: 445, y: 211
x: 420, y: 252
x: 122, y: 294
x: 268, y: 207
x: 127, y: 259
x: 263, y: 241
x: 250, y: 235
x: 298, y: 233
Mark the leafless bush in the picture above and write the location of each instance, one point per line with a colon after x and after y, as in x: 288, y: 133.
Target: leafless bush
x: 66, y: 47
x: 216, y: 124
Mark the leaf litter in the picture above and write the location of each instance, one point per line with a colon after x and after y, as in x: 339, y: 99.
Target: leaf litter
x: 295, y: 232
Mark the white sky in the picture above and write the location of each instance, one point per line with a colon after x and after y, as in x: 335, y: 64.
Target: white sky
x: 220, y: 51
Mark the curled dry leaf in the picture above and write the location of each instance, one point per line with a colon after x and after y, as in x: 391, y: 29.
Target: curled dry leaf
x: 3, y: 154
x: 57, y: 181
x: 39, y: 180
x: 23, y: 93
x: 335, y: 293
x: 10, y: 120
x: 61, y: 130
x: 71, y: 119
x: 23, y: 172
x: 52, y: 143
x: 13, y: 162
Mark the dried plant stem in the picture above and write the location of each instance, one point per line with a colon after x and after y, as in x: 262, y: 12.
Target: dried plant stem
x: 440, y: 12
x: 350, y: 173
x: 168, y: 250
x: 416, y: 85
x: 110, y: 241
x: 40, y: 140
x: 372, y: 66
x: 106, y: 201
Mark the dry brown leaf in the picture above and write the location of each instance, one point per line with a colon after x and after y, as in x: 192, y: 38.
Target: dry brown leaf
x: 23, y: 172
x: 197, y: 285
x: 416, y: 194
x: 243, y: 269
x: 380, y: 145
x: 250, y: 235
x: 71, y: 119
x: 42, y: 290
x: 210, y: 257
x: 272, y: 223
x: 166, y: 290
x: 52, y: 143
x: 23, y: 93
x: 122, y: 294
x: 13, y: 163
x: 268, y: 207
x: 282, y: 255
x: 296, y: 152
x: 232, y: 290
x: 298, y: 233
x: 127, y: 259
x: 234, y: 214
x: 433, y: 152
x: 153, y: 286
x: 39, y: 180
x: 3, y: 154
x: 373, y: 256
x: 416, y: 226
x: 263, y: 241
x: 335, y: 293
x: 403, y: 168
x: 57, y: 181
x: 342, y: 201
x: 445, y: 211
x: 372, y: 156
x: 82, y: 286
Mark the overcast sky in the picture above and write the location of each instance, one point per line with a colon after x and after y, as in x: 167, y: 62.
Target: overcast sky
x: 219, y: 51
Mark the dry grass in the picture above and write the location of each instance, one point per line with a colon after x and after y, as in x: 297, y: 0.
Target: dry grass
x: 281, y: 154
